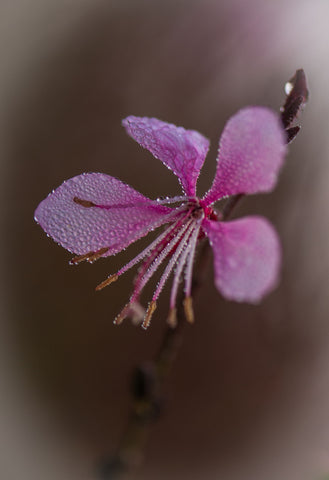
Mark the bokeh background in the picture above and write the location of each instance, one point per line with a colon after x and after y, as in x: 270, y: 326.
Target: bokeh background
x: 249, y: 394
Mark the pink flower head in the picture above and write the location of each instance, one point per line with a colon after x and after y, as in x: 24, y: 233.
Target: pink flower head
x: 94, y: 215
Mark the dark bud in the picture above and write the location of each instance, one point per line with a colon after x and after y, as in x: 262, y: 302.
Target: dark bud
x: 291, y: 133
x: 292, y: 112
x: 297, y: 95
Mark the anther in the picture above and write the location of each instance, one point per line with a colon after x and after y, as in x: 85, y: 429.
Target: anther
x: 84, y: 203
x: 188, y: 309
x: 98, y: 254
x: 172, y: 318
x: 90, y: 256
x: 149, y: 312
x: 122, y: 315
x: 80, y: 258
x: 106, y: 282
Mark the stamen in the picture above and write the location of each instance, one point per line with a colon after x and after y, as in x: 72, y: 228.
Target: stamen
x: 158, y: 201
x: 172, y: 318
x: 188, y: 309
x: 148, y: 250
x: 168, y: 232
x: 90, y: 256
x: 80, y: 258
x: 180, y: 266
x: 84, y: 203
x: 141, y: 282
x: 134, y: 310
x: 156, y: 251
x: 122, y: 315
x: 149, y: 312
x: 96, y: 255
x: 107, y: 281
x: 172, y: 262
x: 89, y: 203
x: 163, y: 201
x: 190, y: 260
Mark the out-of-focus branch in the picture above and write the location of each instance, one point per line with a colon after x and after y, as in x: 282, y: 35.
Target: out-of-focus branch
x: 148, y: 379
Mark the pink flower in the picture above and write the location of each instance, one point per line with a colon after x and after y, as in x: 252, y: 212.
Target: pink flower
x: 94, y: 215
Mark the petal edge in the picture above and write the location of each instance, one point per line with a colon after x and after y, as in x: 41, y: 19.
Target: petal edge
x: 247, y: 256
x: 182, y: 151
x: 251, y: 151
x: 123, y: 217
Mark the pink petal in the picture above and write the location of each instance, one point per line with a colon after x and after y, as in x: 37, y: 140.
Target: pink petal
x: 182, y: 151
x: 125, y: 216
x: 246, y: 257
x: 251, y: 151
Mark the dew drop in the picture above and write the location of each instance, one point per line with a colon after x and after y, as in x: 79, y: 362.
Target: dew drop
x: 288, y: 87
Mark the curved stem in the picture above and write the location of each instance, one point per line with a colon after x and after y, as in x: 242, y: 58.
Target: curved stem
x: 148, y: 379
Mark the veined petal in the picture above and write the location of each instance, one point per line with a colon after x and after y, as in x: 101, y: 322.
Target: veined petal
x: 182, y: 151
x: 111, y: 215
x: 251, y: 151
x: 246, y: 257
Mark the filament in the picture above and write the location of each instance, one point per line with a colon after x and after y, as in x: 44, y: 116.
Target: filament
x: 159, y: 259
x: 112, y: 278
x: 180, y: 266
x: 190, y: 260
x: 152, y: 246
x: 172, y: 262
x: 163, y: 201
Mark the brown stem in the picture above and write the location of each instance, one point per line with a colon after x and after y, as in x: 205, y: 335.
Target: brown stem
x: 148, y: 379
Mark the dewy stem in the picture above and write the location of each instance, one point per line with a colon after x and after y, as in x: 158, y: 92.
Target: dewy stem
x: 148, y: 380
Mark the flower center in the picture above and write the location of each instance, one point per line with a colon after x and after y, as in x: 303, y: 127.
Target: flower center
x: 175, y: 247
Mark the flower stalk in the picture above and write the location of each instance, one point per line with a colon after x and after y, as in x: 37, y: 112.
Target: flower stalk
x: 148, y: 379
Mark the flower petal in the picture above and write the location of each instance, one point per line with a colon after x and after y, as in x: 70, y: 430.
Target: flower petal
x: 182, y: 151
x: 251, y: 151
x: 246, y: 257
x: 120, y: 216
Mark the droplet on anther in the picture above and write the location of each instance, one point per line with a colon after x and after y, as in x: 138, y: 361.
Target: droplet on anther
x: 106, y: 282
x: 149, y: 312
x: 188, y: 309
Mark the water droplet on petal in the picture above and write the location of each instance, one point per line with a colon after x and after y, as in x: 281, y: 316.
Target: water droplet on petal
x: 232, y: 262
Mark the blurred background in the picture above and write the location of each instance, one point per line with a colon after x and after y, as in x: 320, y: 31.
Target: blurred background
x: 249, y: 394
